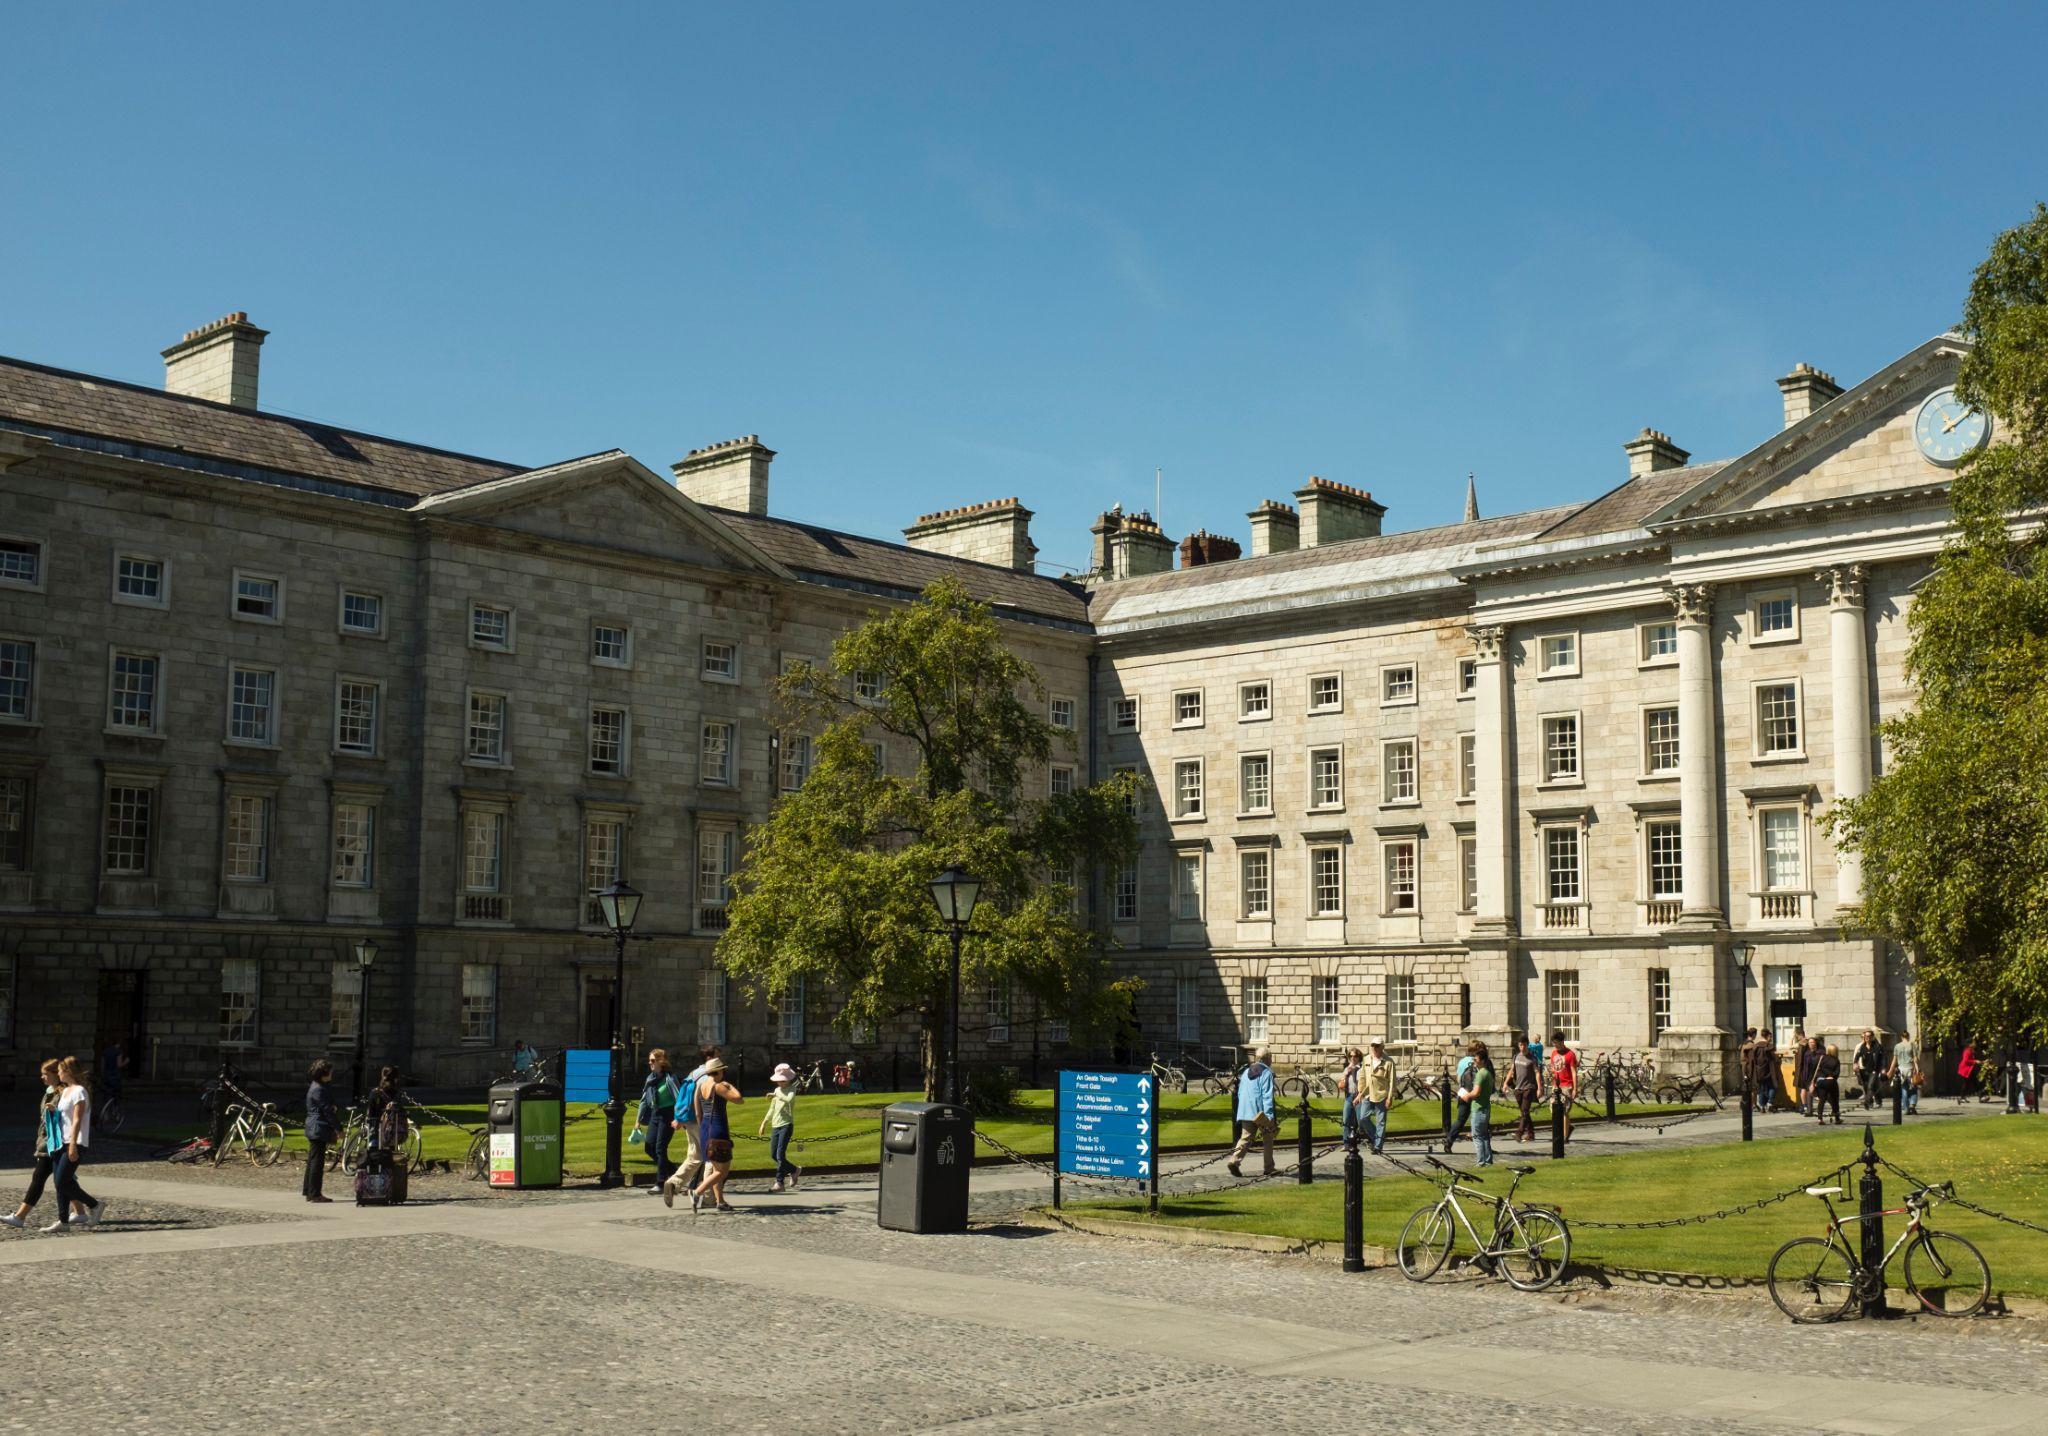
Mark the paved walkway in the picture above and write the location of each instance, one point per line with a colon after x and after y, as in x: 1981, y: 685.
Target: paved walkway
x: 578, y: 1310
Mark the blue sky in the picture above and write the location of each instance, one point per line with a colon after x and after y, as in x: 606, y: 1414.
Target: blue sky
x: 936, y: 254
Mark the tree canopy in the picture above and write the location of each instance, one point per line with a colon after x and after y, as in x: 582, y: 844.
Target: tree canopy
x: 834, y: 887
x: 1954, y: 834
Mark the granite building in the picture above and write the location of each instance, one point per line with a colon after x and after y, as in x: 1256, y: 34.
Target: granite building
x: 268, y: 687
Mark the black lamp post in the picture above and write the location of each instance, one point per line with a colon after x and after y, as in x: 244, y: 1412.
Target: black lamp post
x: 955, y: 894
x: 620, y: 904
x: 366, y: 958
x: 1745, y: 954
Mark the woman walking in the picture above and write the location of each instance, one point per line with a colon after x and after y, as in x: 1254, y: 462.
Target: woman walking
x: 658, y: 1114
x: 45, y: 1149
x: 709, y: 1100
x: 322, y: 1127
x: 1827, y: 1085
x: 1524, y: 1080
x: 779, y: 1122
x: 1966, y: 1068
x: 1347, y: 1088
x: 1479, y: 1093
x: 71, y: 1136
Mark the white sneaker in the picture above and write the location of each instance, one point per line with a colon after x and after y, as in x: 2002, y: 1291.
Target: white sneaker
x: 94, y: 1215
x: 13, y: 1221
x: 58, y: 1226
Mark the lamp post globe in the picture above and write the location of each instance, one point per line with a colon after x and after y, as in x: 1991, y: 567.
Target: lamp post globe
x: 620, y: 905
x: 366, y: 958
x: 955, y: 893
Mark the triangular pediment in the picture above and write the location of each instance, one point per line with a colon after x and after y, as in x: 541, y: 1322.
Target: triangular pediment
x: 1856, y: 449
x: 608, y: 500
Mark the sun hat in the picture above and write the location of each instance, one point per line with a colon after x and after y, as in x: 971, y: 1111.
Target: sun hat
x: 716, y: 1064
x: 783, y: 1073
x: 1376, y: 1042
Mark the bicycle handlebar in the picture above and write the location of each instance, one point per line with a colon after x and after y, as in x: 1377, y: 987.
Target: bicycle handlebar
x: 1939, y: 1189
x: 1446, y: 1166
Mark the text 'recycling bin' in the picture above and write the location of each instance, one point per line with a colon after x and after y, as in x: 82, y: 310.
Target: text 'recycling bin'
x: 927, y: 1148
x: 526, y: 1134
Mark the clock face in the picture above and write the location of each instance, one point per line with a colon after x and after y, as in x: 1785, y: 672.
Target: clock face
x: 1949, y: 431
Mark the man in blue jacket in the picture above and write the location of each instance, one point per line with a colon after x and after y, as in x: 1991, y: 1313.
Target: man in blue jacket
x: 1256, y: 1113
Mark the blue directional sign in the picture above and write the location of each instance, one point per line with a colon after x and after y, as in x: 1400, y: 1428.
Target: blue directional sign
x: 1108, y: 1126
x: 587, y: 1074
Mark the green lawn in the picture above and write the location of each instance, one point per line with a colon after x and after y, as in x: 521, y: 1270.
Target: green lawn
x: 1996, y: 1162
x: 827, y: 1124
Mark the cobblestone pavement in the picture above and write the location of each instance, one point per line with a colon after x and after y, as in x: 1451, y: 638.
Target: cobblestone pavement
x: 245, y: 1310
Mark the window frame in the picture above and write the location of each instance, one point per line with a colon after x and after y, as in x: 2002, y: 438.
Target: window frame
x: 1187, y: 1007
x: 789, y: 1013
x: 731, y: 777
x: 1468, y: 766
x: 1760, y: 875
x: 1182, y: 813
x: 1466, y: 667
x: 1647, y: 659
x: 1336, y: 705
x: 787, y: 747
x: 1653, y: 829
x: 706, y: 673
x: 341, y: 623
x: 1577, y: 777
x: 1244, y: 691
x: 273, y: 619
x: 1315, y: 857
x: 1402, y: 1001
x: 711, y: 907
x: 623, y: 766
x: 1052, y: 712
x: 1255, y: 1018
x: 1126, y: 707
x: 1550, y: 872
x: 624, y: 661
x: 488, y: 1036
x: 274, y: 718
x: 161, y: 602
x: 470, y: 759
x: 1553, y: 991
x: 31, y: 714
x: 1124, y: 886
x: 1660, y: 1003
x: 1648, y: 744
x: 1388, y: 697
x: 1759, y: 754
x: 1326, y: 1005
x: 1388, y: 799
x: 1263, y: 910
x: 1757, y: 637
x: 1317, y: 803
x: 1468, y: 872
x: 26, y: 777
x: 1052, y: 780
x: 1389, y: 848
x: 1200, y: 706
x: 335, y: 879
x: 250, y: 1021
x: 152, y: 837
x: 1188, y: 892
x: 1244, y: 808
x: 1545, y: 668
x: 40, y: 583
x: 510, y: 642
x: 376, y: 687
x: 115, y: 653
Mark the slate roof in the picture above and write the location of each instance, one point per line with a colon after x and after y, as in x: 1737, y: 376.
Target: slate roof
x: 56, y: 399
x: 1389, y: 558
x: 1627, y: 506
x: 896, y: 568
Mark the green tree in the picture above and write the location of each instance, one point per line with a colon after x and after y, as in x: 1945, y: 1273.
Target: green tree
x: 834, y: 889
x: 1954, y: 835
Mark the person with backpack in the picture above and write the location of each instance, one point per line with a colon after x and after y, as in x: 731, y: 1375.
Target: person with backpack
x: 1827, y: 1085
x: 685, y: 1176
x: 657, y: 1115
x: 323, y: 1125
x: 709, y: 1100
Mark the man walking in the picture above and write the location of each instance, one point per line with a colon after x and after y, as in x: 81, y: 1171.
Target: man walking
x: 1868, y: 1062
x: 684, y: 1178
x: 1256, y: 1114
x: 1461, y: 1115
x: 1376, y: 1090
x: 1564, y: 1078
x: 1524, y: 1080
x: 1905, y: 1071
x: 1764, y: 1076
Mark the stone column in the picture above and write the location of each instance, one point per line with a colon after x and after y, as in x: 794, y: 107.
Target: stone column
x: 1699, y: 758
x: 1491, y: 944
x: 1850, y: 670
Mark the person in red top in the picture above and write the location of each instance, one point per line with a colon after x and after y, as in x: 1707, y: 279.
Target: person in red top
x: 1564, y: 1077
x: 1965, y: 1070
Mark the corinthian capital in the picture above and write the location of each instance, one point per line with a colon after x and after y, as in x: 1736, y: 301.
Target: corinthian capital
x: 1487, y: 638
x: 1845, y: 584
x: 1692, y: 602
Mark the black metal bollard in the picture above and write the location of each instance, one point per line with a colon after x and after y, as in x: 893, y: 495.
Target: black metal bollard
x: 1304, y: 1170
x: 1354, y: 1205
x: 1898, y: 1103
x: 1557, y: 1125
x: 1871, y: 1193
x: 1445, y: 1091
x: 1748, y: 1115
x: 2012, y: 1081
x: 1610, y: 1094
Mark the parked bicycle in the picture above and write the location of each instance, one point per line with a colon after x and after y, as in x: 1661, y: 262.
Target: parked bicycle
x: 1169, y: 1077
x: 354, y: 1146
x: 1527, y: 1244
x: 1815, y: 1279
x: 254, y: 1133
x: 109, y: 1115
x: 1310, y: 1084
x: 1685, y: 1091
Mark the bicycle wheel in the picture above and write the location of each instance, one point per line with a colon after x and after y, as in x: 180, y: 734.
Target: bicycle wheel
x: 111, y: 1115
x: 477, y: 1165
x: 1426, y: 1242
x: 1812, y: 1280
x: 1176, y: 1079
x: 354, y: 1143
x: 1669, y: 1095
x: 1214, y: 1085
x: 1540, y: 1246
x: 266, y: 1143
x: 1949, y: 1275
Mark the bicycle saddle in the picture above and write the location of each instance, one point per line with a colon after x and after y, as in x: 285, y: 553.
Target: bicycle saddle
x: 1523, y: 1171
x: 1823, y: 1191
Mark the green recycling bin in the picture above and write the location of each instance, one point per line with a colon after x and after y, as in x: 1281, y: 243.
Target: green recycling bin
x: 526, y: 1135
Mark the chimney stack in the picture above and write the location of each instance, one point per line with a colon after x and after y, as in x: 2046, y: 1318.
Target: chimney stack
x: 1202, y: 547
x: 997, y: 532
x: 1332, y: 512
x: 1652, y: 452
x: 1806, y: 389
x: 1276, y: 528
x: 1132, y: 544
x: 217, y: 362
x: 731, y: 475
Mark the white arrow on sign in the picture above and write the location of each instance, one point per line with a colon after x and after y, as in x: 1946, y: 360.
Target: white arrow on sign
x: 1144, y: 1169
x: 1143, y: 1146
x: 1144, y: 1086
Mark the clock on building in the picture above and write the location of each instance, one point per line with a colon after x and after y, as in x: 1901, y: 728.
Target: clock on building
x: 1948, y: 430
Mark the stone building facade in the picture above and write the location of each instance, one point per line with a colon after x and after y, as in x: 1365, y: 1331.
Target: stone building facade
x: 270, y: 687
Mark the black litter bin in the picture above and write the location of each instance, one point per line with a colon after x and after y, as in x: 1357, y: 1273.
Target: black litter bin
x: 927, y: 1148
x: 526, y: 1134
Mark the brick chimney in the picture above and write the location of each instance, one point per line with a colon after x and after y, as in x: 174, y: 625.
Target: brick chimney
x: 217, y: 362
x: 1332, y: 512
x: 1136, y: 546
x: 997, y: 532
x: 731, y: 475
x: 1651, y: 452
x: 1202, y: 547
x: 1806, y: 389
x: 1276, y: 528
